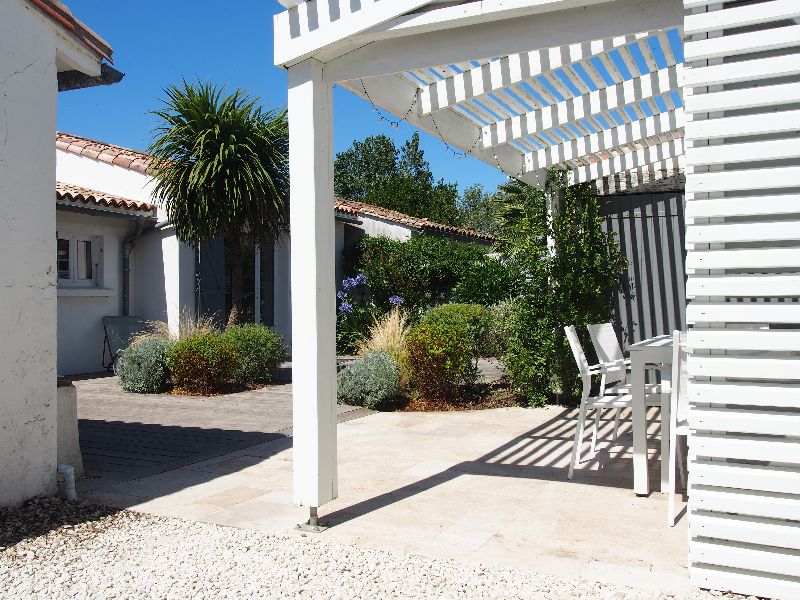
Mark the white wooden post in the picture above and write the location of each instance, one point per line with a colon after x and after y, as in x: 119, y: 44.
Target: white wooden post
x: 313, y: 290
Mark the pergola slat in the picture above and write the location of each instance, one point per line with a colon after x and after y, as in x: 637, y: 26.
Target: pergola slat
x: 669, y: 122
x: 572, y: 109
x: 630, y: 160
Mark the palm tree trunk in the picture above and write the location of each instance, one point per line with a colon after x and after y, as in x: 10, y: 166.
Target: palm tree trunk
x: 237, y: 277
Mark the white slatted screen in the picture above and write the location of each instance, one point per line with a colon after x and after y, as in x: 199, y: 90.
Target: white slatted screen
x: 742, y: 59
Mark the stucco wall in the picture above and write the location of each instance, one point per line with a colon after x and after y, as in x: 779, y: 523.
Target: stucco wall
x: 149, y: 297
x: 162, y: 268
x: 28, y: 92
x: 103, y: 177
x: 80, y: 310
x: 378, y: 227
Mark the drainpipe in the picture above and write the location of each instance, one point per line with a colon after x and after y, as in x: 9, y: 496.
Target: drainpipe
x: 127, y: 247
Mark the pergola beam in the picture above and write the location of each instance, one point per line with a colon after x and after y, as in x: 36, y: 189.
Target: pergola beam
x: 503, y: 37
x: 462, y: 15
x: 593, y: 103
x: 515, y: 68
x: 309, y: 27
x: 636, y: 132
x: 643, y: 157
x: 397, y: 95
x: 640, y: 176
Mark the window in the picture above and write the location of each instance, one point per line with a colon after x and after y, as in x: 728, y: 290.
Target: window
x: 77, y: 261
x: 63, y: 259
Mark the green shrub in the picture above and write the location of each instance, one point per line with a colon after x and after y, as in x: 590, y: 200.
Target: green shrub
x: 485, y: 281
x: 259, y: 352
x: 440, y: 359
x: 202, y: 364
x: 423, y: 270
x: 142, y: 368
x: 474, y: 319
x: 370, y: 381
x: 571, y: 267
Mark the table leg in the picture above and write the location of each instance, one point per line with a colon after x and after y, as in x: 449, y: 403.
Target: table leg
x: 665, y: 426
x: 639, y: 424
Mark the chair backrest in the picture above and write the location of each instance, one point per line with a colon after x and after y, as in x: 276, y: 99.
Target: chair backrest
x: 606, y: 345
x: 605, y: 342
x: 577, y: 349
x: 121, y: 330
x: 679, y: 400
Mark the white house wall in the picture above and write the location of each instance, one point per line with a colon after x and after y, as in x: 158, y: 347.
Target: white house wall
x: 165, y: 278
x: 80, y: 310
x: 28, y: 92
x: 378, y: 227
x: 103, y: 177
x: 163, y: 268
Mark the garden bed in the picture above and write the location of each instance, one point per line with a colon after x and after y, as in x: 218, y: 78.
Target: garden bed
x: 496, y: 395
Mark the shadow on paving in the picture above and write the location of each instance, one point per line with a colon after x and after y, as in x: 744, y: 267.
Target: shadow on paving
x: 121, y: 451
x: 537, y: 454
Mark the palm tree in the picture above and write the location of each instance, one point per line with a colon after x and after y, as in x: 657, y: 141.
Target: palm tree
x: 221, y: 167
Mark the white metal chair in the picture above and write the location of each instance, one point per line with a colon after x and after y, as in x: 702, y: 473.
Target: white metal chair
x: 678, y: 418
x: 606, y: 346
x: 608, y: 400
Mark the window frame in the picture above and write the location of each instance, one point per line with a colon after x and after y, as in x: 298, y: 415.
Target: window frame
x: 96, y: 246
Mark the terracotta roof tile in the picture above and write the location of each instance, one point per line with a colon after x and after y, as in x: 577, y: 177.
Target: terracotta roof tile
x: 353, y: 208
x: 140, y: 161
x: 75, y: 194
x: 59, y: 13
x: 108, y: 153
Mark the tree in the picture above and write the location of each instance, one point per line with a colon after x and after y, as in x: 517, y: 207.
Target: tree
x: 476, y: 210
x: 376, y: 172
x: 568, y: 281
x: 366, y: 166
x: 221, y: 167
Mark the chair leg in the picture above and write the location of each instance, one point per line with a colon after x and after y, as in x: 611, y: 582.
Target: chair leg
x: 616, y: 423
x: 597, y: 413
x: 576, y: 446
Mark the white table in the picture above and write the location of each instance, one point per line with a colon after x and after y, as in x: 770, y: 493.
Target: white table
x: 657, y: 350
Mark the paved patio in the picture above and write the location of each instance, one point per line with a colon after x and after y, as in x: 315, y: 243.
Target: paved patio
x: 484, y: 486
x: 128, y: 436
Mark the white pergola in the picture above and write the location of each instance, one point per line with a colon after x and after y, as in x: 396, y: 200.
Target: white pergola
x: 599, y: 87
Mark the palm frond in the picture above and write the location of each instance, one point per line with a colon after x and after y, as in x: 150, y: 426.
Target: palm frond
x: 221, y: 163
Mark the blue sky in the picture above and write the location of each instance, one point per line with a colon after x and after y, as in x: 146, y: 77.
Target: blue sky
x: 159, y: 43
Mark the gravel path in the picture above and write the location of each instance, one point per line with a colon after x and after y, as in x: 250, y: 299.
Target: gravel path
x: 54, y: 549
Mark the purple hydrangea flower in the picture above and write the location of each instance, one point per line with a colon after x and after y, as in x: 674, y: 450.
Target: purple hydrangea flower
x: 341, y: 295
x: 346, y: 307
x: 360, y: 279
x: 348, y: 283
x: 395, y: 300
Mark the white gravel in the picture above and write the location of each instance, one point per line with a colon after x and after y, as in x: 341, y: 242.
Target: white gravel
x: 131, y: 555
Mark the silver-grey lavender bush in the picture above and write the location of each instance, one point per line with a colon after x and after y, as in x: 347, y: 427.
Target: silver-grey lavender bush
x: 142, y: 368
x: 370, y: 381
